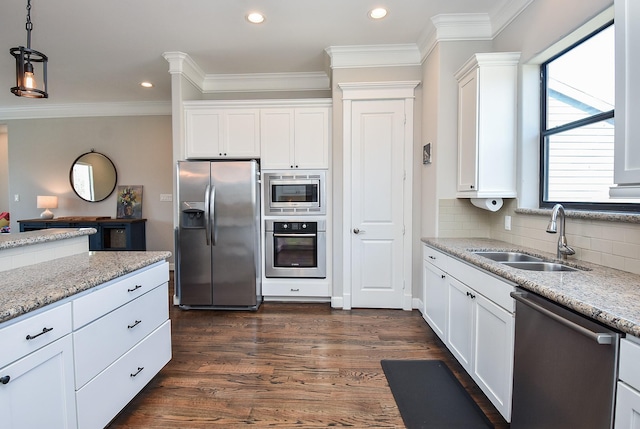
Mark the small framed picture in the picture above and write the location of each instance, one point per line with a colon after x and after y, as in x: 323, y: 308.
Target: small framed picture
x: 426, y: 154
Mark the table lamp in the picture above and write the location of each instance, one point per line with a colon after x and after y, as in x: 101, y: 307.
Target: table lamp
x: 47, y: 202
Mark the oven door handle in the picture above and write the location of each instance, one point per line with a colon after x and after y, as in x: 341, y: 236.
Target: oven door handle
x: 294, y: 235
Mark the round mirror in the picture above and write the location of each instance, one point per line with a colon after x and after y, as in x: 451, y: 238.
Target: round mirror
x: 93, y: 176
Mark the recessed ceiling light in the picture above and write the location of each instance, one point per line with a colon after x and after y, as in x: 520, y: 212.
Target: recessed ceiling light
x: 146, y: 84
x: 255, y: 18
x: 378, y: 13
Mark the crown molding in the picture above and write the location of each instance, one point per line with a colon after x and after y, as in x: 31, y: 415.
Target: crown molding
x: 259, y: 82
x: 373, y: 56
x: 181, y: 63
x: 470, y: 26
x: 146, y: 108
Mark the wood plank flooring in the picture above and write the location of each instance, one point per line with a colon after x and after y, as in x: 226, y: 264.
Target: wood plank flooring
x: 286, y: 365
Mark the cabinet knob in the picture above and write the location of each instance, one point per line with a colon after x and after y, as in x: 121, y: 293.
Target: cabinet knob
x: 296, y: 166
x: 443, y: 276
x: 220, y: 154
x: 5, y: 379
x: 471, y: 186
x: 291, y: 166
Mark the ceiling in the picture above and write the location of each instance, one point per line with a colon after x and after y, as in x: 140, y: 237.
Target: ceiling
x: 100, y: 51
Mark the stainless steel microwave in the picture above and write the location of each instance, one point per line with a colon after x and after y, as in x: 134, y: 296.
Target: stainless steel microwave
x: 294, y: 193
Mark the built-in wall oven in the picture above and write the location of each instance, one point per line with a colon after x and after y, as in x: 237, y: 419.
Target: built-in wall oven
x: 294, y: 193
x: 295, y: 248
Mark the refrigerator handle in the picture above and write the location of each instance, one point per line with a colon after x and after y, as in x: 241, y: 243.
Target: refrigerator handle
x: 212, y: 211
x: 207, y: 214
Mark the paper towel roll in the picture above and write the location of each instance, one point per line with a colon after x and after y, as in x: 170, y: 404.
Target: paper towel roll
x: 491, y: 204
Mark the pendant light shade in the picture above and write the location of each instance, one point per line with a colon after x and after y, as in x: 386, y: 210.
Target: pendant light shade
x: 31, y: 67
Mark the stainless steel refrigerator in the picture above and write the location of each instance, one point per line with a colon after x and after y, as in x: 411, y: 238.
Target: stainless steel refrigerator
x: 218, y: 237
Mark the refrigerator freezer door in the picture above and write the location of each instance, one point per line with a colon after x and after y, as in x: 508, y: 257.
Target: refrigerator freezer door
x: 194, y: 253
x: 236, y: 234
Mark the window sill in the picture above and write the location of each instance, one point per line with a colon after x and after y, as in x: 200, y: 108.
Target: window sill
x: 586, y: 214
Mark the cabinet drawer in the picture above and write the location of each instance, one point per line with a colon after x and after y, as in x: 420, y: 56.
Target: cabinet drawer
x: 103, y: 398
x: 629, y: 358
x: 100, y: 343
x: 34, y: 332
x: 435, y: 257
x: 105, y: 299
x: 296, y: 290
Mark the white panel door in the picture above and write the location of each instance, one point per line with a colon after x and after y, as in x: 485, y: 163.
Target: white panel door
x: 627, y: 407
x: 377, y: 184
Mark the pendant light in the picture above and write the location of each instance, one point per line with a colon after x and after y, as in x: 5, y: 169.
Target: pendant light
x: 26, y: 58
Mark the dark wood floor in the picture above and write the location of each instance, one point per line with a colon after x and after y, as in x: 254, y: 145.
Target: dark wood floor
x: 286, y: 365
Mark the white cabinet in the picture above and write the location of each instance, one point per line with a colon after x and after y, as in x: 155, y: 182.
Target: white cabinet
x: 37, y: 389
x: 627, y: 135
x: 122, y: 339
x: 434, y: 284
x: 294, y: 138
x: 221, y: 132
x: 627, y: 414
x: 487, y: 91
x: 479, y: 322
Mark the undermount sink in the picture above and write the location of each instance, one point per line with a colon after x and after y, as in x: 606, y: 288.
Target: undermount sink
x: 539, y: 266
x: 522, y: 261
x: 508, y: 256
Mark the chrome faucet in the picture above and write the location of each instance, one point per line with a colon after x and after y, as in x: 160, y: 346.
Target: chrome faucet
x: 563, y: 248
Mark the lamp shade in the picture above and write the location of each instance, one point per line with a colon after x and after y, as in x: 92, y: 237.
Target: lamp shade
x: 47, y: 202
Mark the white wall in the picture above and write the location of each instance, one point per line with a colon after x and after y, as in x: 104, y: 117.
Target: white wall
x: 4, y: 170
x: 41, y: 152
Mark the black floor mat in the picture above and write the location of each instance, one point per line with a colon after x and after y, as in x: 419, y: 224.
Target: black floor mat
x: 428, y: 395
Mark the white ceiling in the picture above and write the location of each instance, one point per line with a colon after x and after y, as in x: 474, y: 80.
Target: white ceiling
x: 99, y: 51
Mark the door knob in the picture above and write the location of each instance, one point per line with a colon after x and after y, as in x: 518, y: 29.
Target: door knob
x: 357, y: 231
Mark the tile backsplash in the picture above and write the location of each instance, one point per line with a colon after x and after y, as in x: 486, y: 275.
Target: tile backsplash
x: 603, y: 242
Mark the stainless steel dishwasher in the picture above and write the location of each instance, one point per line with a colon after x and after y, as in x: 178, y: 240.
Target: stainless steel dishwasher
x: 565, y: 367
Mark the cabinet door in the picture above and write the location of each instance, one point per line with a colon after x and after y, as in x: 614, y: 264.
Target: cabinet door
x: 627, y: 150
x: 468, y: 133
x: 311, y: 138
x: 241, y: 134
x: 276, y: 138
x: 460, y: 322
x: 435, y: 298
x: 627, y: 408
x: 492, y: 365
x: 40, y: 391
x: 203, y: 133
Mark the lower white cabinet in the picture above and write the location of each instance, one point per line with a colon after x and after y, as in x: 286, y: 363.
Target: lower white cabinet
x: 479, y: 322
x: 77, y: 364
x: 39, y: 391
x: 105, y: 396
x: 627, y: 414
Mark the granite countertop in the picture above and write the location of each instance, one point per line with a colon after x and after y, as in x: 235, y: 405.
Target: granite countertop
x: 607, y: 295
x: 29, y: 288
x: 8, y: 241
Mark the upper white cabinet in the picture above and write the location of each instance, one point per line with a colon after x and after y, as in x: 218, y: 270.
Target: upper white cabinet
x: 295, y: 138
x: 216, y: 132
x: 487, y: 95
x: 627, y: 135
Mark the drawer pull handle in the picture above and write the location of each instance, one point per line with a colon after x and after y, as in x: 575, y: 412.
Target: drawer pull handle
x: 443, y: 276
x: 5, y: 379
x: 135, y: 288
x: 44, y: 331
x: 136, y: 323
x: 432, y: 257
x: 140, y: 368
x: 472, y: 296
x: 295, y: 290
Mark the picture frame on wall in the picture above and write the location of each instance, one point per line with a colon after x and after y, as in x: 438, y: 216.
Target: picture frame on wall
x: 129, y: 202
x: 426, y: 154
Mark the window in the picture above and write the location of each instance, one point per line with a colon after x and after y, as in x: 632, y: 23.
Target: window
x: 577, y: 125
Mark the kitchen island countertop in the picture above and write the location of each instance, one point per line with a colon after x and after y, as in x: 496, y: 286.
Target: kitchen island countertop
x: 610, y: 296
x: 32, y: 287
x: 9, y: 241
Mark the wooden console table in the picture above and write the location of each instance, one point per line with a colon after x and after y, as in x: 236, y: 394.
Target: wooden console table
x: 113, y: 234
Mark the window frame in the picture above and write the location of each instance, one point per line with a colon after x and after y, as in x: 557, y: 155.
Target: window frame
x: 545, y: 133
